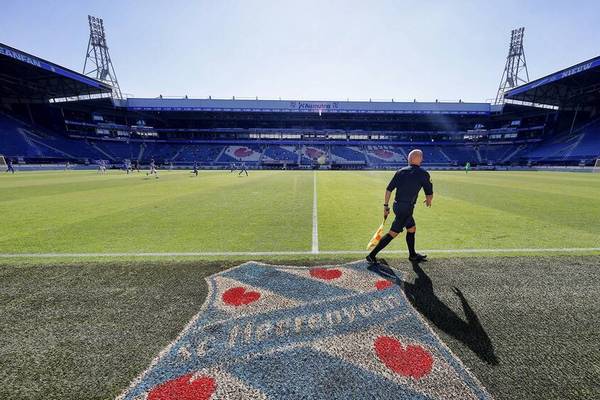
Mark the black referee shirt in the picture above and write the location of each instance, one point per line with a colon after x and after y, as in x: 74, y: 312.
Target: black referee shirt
x: 408, y: 181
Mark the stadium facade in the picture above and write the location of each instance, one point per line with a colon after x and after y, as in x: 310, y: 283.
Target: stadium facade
x: 50, y: 114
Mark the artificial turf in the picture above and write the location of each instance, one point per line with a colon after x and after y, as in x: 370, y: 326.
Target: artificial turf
x: 79, y: 212
x: 526, y: 326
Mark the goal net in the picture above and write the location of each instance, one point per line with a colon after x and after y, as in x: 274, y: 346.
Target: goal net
x: 596, y: 165
x: 3, y: 165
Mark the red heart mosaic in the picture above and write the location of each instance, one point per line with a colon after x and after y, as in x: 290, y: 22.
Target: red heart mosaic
x: 412, y: 361
x: 238, y: 296
x: 183, y: 388
x: 243, y: 152
x: 325, y: 273
x: 383, y: 284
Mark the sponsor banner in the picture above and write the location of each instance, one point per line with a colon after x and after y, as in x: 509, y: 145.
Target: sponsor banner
x: 275, y: 332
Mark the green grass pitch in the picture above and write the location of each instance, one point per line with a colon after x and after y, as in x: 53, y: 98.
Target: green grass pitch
x: 271, y: 211
x: 82, y: 327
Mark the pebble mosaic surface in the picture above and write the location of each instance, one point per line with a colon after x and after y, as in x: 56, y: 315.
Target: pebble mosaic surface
x: 275, y: 332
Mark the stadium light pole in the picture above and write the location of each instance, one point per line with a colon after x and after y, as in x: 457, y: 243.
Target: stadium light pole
x: 97, y: 62
x: 515, y: 71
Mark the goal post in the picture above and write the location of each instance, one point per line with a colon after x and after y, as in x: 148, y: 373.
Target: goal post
x: 3, y: 164
x: 596, y: 165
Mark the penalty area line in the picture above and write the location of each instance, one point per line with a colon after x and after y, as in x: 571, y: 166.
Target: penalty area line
x: 290, y: 253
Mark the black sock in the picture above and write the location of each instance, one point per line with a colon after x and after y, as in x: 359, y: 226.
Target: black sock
x: 410, y: 243
x: 382, y: 243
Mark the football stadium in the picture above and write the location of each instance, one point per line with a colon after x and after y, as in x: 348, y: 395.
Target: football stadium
x: 214, y: 248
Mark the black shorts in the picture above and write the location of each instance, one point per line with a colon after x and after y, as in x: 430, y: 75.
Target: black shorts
x: 404, y: 217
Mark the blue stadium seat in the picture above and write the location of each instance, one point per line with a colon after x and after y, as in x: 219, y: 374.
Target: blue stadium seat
x: 287, y: 154
x: 347, y: 154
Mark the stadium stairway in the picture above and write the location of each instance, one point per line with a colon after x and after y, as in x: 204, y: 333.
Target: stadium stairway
x: 478, y: 154
x: 14, y: 141
x: 31, y: 143
x: 494, y: 154
x: 177, y: 153
x: 220, y: 153
x: 513, y: 155
x: 50, y: 149
x: 100, y: 150
x: 444, y: 155
x: 141, y: 152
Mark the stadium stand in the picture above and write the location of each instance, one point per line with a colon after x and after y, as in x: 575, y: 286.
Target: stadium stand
x: 117, y: 150
x: 66, y: 148
x: 204, y: 154
x: 381, y: 155
x: 161, y: 152
x: 280, y: 154
x: 18, y: 139
x: 14, y: 141
x: 296, y: 134
x: 497, y: 154
x: 582, y: 145
x: 347, y: 155
x: 455, y: 154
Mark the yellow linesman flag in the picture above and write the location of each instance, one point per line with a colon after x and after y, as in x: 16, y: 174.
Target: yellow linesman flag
x: 376, y: 237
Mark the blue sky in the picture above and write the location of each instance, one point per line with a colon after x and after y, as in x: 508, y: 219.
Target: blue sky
x: 309, y: 49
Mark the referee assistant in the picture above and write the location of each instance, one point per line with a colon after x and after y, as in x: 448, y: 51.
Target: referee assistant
x: 407, y: 182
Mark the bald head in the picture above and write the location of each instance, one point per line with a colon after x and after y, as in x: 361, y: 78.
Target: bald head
x: 415, y: 157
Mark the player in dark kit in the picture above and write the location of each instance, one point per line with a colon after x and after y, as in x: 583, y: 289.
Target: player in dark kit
x: 9, y: 166
x: 407, y: 182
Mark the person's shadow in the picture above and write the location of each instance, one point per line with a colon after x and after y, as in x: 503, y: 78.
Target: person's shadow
x: 423, y: 298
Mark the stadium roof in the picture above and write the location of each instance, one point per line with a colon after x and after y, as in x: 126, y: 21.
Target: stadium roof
x: 25, y: 77
x: 576, y: 85
x: 302, y: 106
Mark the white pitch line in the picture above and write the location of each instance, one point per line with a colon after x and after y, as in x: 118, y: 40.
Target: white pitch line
x: 315, y: 219
x: 291, y: 253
